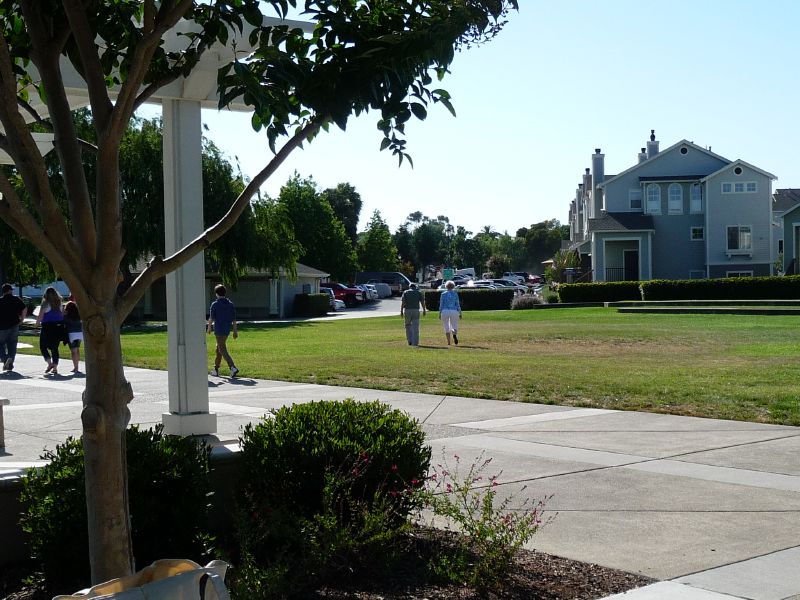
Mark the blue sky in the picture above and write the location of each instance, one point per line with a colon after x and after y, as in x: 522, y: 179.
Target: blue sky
x: 564, y: 78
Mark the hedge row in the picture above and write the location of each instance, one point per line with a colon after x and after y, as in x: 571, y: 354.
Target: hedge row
x: 311, y: 305
x: 479, y: 299
x: 730, y: 288
x: 612, y: 291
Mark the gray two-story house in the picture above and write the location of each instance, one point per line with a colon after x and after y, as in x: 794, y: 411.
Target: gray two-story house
x: 681, y: 213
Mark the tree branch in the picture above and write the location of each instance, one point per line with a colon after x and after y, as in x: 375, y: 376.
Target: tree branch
x: 29, y: 162
x: 158, y: 267
x: 91, y: 70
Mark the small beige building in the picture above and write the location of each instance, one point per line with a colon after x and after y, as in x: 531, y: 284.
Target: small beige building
x: 258, y: 295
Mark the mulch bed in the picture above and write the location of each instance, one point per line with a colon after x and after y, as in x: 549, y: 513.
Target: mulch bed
x: 535, y: 576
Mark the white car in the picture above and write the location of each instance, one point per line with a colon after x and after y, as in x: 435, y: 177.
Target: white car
x: 372, y: 290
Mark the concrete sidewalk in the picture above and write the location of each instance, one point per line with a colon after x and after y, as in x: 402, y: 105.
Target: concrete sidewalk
x: 709, y: 508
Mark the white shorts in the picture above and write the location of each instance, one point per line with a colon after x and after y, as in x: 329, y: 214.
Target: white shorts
x: 449, y: 320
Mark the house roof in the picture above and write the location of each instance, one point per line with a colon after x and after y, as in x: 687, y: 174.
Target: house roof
x: 785, y: 199
x: 650, y: 161
x: 622, y: 221
x: 739, y: 162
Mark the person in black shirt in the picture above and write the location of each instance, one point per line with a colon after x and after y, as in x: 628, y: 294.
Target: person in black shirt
x: 12, y: 313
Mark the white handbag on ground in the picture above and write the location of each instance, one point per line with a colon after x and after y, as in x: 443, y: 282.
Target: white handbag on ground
x: 168, y: 579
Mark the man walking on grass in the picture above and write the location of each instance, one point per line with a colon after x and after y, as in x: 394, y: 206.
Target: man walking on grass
x: 410, y: 304
x: 12, y: 313
x: 222, y: 321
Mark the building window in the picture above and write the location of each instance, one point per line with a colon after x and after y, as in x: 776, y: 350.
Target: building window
x: 675, y: 199
x: 635, y: 198
x: 654, y: 199
x: 696, y: 198
x: 697, y: 234
x: 738, y: 273
x: 738, y: 170
x: 740, y: 187
x: 684, y: 150
x: 697, y: 274
x: 780, y: 246
x: 740, y: 239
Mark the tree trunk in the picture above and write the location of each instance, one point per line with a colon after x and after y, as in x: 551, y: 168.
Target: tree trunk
x: 105, y: 418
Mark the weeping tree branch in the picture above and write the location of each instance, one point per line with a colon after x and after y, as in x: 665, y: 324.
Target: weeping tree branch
x: 159, y: 267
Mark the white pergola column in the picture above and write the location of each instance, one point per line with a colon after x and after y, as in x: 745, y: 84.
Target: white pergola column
x: 186, y: 290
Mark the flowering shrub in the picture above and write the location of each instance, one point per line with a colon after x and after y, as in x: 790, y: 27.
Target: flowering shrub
x: 491, y: 530
x: 525, y: 301
x: 325, y: 486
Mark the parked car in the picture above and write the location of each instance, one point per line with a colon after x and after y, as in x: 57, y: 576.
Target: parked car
x: 511, y: 284
x: 396, y: 280
x: 515, y: 277
x: 349, y: 295
x: 369, y: 294
x: 373, y: 290
x: 334, y: 302
x: 384, y: 290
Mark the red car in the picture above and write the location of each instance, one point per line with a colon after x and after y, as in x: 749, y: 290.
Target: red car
x: 350, y: 296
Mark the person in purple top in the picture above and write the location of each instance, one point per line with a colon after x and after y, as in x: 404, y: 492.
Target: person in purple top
x: 12, y: 313
x: 53, y: 333
x: 222, y: 321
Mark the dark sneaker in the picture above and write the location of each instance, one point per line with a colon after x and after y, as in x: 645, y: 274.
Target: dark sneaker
x: 455, y: 338
x: 234, y: 371
x: 8, y: 365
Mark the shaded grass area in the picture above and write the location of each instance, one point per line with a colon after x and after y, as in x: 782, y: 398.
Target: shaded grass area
x: 742, y: 367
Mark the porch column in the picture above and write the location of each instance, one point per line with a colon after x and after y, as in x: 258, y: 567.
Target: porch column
x: 186, y: 295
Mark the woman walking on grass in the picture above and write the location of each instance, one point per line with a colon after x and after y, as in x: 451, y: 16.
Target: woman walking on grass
x: 450, y: 312
x: 51, y: 320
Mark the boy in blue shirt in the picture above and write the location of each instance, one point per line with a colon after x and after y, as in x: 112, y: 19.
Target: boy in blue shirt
x: 222, y: 321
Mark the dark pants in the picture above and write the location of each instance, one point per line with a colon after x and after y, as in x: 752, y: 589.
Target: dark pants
x: 49, y: 339
x: 8, y: 343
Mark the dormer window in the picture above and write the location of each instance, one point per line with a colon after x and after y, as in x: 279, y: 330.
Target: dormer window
x: 738, y: 170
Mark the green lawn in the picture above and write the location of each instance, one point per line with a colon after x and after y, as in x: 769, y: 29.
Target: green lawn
x: 722, y: 366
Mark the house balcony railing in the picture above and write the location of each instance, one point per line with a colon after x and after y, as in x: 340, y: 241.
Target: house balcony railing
x: 615, y: 274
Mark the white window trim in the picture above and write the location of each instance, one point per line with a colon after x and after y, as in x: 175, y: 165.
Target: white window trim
x: 692, y: 201
x: 739, y: 251
x: 697, y: 239
x: 670, y: 209
x: 647, y: 199
x: 734, y: 184
x: 739, y: 273
x: 631, y: 192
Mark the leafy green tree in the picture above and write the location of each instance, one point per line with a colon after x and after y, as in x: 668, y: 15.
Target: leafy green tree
x: 346, y: 204
x: 498, y: 264
x: 378, y: 57
x: 403, y: 241
x: 376, y: 251
x: 542, y: 240
x: 319, y: 232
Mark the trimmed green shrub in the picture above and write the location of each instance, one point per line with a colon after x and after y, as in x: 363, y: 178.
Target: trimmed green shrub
x: 477, y: 299
x: 728, y: 288
x: 603, y: 291
x: 526, y: 301
x: 325, y: 485
x: 311, y: 305
x: 168, y: 490
x: 552, y: 298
